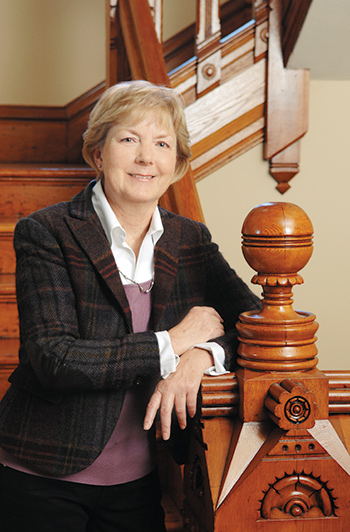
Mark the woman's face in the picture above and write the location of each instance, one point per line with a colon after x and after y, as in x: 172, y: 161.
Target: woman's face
x: 138, y: 162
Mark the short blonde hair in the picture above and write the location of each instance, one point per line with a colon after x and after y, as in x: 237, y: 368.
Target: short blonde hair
x: 131, y: 99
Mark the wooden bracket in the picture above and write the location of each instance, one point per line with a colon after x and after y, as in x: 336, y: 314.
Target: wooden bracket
x: 286, y: 107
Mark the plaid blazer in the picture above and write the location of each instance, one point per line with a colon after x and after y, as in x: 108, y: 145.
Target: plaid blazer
x: 78, y: 353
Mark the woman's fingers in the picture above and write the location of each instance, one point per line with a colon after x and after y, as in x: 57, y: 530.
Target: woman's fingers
x: 152, y: 409
x: 178, y: 391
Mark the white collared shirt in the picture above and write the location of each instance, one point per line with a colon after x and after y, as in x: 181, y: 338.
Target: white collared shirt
x: 142, y: 270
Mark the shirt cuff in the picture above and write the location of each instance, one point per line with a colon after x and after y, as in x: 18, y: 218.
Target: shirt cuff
x: 218, y: 355
x: 168, y: 359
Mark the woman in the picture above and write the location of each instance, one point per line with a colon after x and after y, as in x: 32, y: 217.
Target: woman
x: 119, y: 304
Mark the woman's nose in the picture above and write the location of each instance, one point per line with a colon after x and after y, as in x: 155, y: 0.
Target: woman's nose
x: 144, y: 155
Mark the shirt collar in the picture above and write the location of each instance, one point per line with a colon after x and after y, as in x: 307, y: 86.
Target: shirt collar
x: 110, y: 222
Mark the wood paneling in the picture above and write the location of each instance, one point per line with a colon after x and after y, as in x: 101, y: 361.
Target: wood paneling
x: 26, y: 188
x: 34, y: 134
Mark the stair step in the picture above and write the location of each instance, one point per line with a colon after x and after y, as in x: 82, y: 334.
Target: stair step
x: 9, y: 350
x: 25, y: 188
x: 7, y: 256
x: 30, y: 170
x: 9, y: 327
x: 8, y: 361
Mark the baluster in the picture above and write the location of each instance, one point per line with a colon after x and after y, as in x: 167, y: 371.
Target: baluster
x: 117, y: 63
x: 208, y: 50
x: 157, y: 14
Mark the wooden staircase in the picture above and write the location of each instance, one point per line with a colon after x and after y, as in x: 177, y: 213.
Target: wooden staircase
x: 24, y: 189
x: 229, y: 81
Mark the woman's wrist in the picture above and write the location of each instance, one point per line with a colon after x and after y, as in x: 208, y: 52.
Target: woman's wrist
x: 201, y: 357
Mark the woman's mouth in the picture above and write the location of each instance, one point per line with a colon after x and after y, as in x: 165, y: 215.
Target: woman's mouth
x: 143, y: 177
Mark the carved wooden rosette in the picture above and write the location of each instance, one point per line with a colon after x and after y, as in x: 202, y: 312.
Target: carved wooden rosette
x: 208, y: 49
x: 297, y: 496
x: 290, y: 405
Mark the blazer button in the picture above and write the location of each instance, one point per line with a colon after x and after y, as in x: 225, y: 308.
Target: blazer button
x: 137, y: 381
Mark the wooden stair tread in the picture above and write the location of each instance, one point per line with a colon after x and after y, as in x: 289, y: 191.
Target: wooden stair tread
x: 47, y: 170
x: 7, y: 283
x: 9, y: 347
x: 7, y: 225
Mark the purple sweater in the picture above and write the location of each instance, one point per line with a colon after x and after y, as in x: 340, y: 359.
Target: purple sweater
x: 130, y: 453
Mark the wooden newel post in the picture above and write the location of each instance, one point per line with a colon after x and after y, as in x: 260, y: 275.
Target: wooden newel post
x: 277, y: 243
x: 280, y: 464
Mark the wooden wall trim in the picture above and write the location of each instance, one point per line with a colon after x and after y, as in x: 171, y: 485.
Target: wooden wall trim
x: 52, y: 112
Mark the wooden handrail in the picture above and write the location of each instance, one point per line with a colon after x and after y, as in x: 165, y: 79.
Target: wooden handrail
x: 220, y: 396
x: 145, y: 55
x: 293, y: 17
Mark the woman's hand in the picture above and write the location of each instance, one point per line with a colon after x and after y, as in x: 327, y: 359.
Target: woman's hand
x: 178, y: 390
x: 200, y: 325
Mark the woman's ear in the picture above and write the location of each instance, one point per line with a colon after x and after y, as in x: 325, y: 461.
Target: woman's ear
x: 98, y: 157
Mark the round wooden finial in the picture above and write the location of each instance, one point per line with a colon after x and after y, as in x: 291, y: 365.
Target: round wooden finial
x: 277, y: 239
x: 277, y: 243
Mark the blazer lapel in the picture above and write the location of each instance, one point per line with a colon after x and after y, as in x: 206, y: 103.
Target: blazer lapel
x: 87, y: 230
x: 165, y: 265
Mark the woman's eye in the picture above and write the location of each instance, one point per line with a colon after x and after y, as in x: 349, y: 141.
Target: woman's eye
x: 162, y: 144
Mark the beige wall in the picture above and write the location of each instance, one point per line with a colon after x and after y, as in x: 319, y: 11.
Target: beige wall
x: 53, y: 51
x: 322, y: 189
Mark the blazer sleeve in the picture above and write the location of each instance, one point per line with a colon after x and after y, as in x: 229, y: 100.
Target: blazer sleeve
x: 73, y: 344
x: 228, y: 294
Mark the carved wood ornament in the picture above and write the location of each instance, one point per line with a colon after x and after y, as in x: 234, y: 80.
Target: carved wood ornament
x: 287, y: 103
x: 281, y: 463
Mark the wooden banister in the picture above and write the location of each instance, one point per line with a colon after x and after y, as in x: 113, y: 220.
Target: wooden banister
x: 143, y: 50
x: 293, y: 16
x: 265, y: 443
x: 220, y: 396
